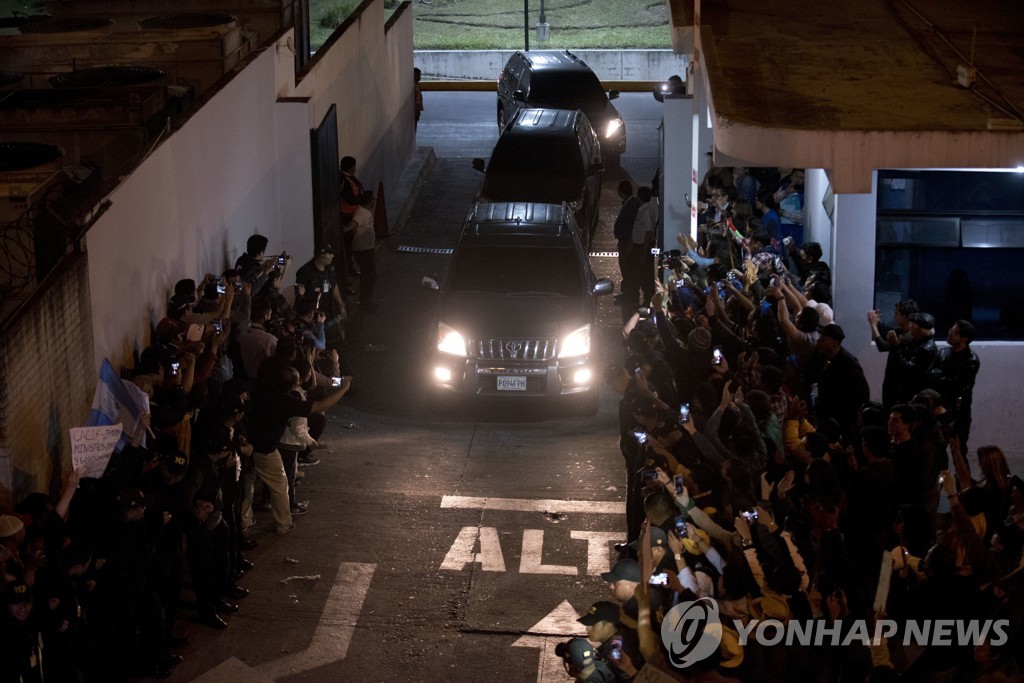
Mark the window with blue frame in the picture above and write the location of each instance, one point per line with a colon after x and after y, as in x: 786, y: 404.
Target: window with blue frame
x: 954, y: 241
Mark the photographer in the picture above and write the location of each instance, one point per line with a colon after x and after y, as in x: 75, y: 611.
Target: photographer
x: 317, y: 281
x: 272, y: 407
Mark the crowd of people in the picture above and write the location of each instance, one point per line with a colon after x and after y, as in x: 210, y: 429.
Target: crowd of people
x: 761, y: 477
x: 238, y: 376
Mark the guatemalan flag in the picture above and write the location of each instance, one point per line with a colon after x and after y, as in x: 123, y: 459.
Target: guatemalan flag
x: 117, y: 401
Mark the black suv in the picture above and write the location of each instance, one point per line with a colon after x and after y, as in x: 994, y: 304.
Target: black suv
x: 517, y: 316
x: 561, y: 80
x: 549, y: 156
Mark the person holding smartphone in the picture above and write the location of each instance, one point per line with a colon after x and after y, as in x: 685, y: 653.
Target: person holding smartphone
x: 618, y: 647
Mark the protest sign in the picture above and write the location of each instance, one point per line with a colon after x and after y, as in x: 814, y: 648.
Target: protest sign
x: 91, y: 448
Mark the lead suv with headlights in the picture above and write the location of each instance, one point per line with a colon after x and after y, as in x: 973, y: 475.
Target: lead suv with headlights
x: 517, y: 310
x: 561, y: 80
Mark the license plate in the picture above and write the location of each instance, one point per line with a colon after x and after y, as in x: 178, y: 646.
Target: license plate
x: 511, y: 383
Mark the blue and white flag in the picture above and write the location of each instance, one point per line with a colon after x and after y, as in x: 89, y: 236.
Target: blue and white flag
x: 117, y: 401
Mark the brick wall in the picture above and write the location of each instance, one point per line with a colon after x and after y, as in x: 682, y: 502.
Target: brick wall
x: 47, y: 378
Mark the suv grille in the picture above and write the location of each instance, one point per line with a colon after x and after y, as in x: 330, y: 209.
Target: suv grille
x: 513, y: 349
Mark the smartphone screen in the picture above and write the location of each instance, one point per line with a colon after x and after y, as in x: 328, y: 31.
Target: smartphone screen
x: 280, y: 260
x: 218, y: 326
x: 684, y: 413
x: 680, y: 522
x: 659, y: 579
x: 717, y: 355
x: 678, y: 480
x: 335, y: 381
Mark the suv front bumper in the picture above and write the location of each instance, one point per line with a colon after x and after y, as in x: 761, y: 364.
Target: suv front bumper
x: 474, y: 377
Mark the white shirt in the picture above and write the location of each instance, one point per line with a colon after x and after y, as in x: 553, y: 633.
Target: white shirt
x: 646, y: 221
x: 364, y: 237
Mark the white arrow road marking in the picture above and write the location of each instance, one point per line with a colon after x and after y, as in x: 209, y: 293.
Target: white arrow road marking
x: 557, y: 626
x: 522, y: 505
x: 337, y: 624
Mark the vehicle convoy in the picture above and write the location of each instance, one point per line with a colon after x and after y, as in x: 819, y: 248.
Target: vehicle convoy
x: 548, y: 156
x: 561, y: 80
x: 517, y: 311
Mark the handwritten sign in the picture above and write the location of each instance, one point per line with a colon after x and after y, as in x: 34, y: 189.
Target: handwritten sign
x: 91, y: 448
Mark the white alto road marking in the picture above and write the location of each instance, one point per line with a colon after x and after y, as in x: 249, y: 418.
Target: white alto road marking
x: 533, y: 547
x: 461, y: 553
x: 597, y: 549
x: 556, y: 627
x: 598, y: 507
x: 336, y: 626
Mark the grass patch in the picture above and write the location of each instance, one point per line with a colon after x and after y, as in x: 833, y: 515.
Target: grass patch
x: 335, y: 13
x: 498, y: 24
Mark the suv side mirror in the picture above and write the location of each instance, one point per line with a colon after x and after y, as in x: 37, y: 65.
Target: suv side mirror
x: 430, y: 282
x: 604, y: 286
x: 519, y: 95
x: 613, y: 94
x: 594, y: 168
x: 478, y: 165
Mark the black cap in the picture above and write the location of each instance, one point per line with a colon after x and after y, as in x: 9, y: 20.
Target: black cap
x: 325, y: 249
x: 600, y: 611
x: 17, y: 592
x: 176, y: 462
x: 624, y: 570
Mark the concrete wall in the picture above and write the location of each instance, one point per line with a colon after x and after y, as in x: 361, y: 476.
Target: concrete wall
x: 242, y: 164
x: 46, y: 384
x: 609, y: 65
x: 239, y: 164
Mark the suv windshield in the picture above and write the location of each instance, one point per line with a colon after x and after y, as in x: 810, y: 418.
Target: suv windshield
x: 536, y: 155
x: 579, y: 89
x: 515, y: 270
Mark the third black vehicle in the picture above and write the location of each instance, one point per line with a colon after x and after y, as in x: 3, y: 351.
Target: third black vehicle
x: 561, y: 80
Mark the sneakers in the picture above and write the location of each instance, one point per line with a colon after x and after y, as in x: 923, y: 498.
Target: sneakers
x: 299, y: 509
x: 281, y: 531
x: 308, y: 459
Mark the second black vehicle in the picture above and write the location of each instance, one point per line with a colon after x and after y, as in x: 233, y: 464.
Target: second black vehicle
x: 549, y: 156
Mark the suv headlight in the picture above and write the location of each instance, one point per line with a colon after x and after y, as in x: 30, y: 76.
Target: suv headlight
x: 613, y: 127
x: 576, y: 343
x: 450, y: 341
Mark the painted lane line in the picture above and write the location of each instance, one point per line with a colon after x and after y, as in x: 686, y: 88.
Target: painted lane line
x: 597, y: 507
x: 554, y: 628
x: 336, y: 626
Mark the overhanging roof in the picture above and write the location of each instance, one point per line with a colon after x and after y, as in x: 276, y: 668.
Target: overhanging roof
x: 852, y: 87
